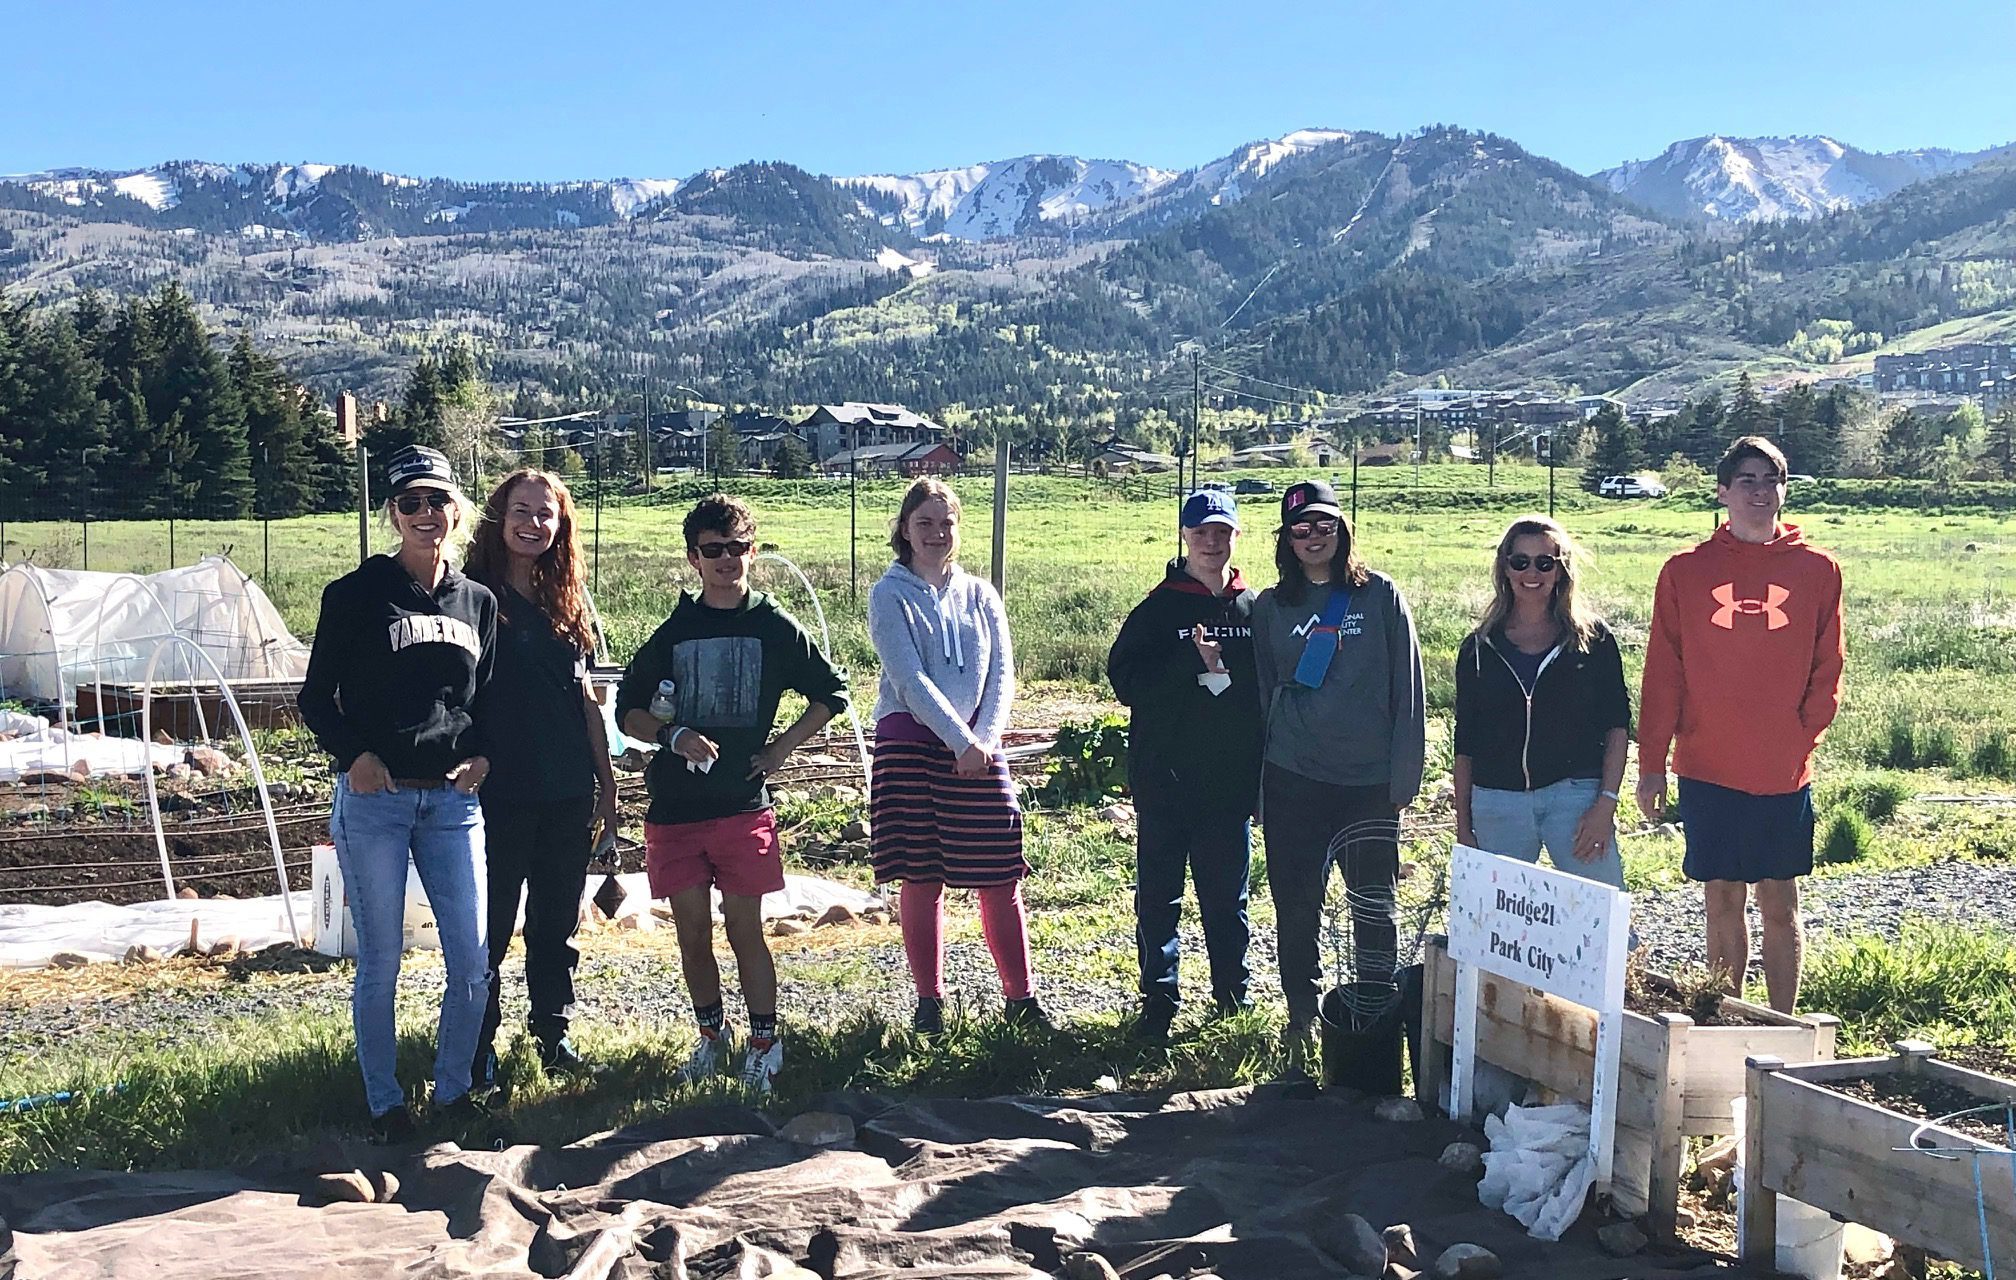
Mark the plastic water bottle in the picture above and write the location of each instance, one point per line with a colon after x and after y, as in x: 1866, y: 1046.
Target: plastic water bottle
x: 662, y: 705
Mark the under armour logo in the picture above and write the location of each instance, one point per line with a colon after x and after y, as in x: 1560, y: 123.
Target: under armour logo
x: 1774, y: 616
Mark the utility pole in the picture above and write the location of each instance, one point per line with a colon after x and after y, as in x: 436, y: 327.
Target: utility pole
x: 1196, y: 408
x: 363, y: 503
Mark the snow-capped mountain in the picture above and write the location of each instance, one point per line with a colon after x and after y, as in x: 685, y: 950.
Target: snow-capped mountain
x: 1035, y: 193
x: 1006, y: 197
x: 1760, y: 179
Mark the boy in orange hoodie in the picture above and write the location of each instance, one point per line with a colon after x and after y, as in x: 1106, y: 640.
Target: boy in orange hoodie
x: 1742, y: 676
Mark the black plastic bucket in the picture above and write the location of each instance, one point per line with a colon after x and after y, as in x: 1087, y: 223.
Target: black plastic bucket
x: 1364, y: 1026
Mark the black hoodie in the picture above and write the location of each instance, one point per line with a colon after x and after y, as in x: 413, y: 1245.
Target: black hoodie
x: 1521, y: 742
x: 1183, y: 740
x: 396, y: 668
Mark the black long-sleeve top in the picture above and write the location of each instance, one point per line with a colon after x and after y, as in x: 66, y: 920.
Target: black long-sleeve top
x: 396, y: 668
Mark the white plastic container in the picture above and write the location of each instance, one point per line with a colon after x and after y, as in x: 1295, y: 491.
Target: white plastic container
x: 1810, y: 1243
x: 330, y: 924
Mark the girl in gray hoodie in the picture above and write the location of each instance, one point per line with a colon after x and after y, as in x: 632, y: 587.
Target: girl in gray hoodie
x: 942, y: 809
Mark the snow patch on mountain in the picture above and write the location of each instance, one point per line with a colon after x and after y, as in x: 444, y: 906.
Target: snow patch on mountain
x: 1229, y: 178
x: 628, y: 195
x: 291, y: 181
x: 1761, y: 179
x: 1008, y: 197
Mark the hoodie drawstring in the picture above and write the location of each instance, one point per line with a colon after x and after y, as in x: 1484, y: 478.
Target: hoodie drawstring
x: 954, y: 648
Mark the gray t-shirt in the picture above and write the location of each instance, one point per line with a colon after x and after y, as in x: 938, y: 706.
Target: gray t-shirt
x: 1366, y: 723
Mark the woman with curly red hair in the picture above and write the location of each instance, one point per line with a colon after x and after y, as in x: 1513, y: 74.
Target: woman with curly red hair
x: 551, y: 785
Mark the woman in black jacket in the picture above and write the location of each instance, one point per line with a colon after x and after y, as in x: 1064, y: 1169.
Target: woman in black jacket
x: 551, y: 788
x: 402, y: 649
x: 1542, y: 714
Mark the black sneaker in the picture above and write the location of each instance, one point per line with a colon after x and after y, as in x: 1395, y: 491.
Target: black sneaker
x: 483, y: 1074
x: 560, y: 1059
x: 1028, y: 1014
x: 393, y: 1127
x: 462, y: 1113
x: 1153, y: 1021
x: 929, y: 1019
x: 1230, y: 1006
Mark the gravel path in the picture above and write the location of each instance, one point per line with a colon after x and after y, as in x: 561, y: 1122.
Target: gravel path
x: 636, y: 979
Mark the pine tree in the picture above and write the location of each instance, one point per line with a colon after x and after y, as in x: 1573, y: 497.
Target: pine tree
x: 1704, y: 439
x: 1908, y: 441
x: 724, y: 450
x: 191, y: 389
x: 1748, y: 414
x: 1998, y: 447
x: 65, y: 409
x: 19, y: 436
x: 283, y: 463
x: 1798, y: 430
x: 423, y: 412
x: 1617, y: 450
x: 792, y: 461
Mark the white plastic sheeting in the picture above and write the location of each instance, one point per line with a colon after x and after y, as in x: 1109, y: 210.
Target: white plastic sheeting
x: 1538, y: 1168
x: 60, y: 628
x: 30, y: 935
x: 39, y: 747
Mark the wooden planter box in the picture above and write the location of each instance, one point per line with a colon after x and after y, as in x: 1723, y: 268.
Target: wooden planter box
x: 1676, y: 1080
x: 1850, y: 1158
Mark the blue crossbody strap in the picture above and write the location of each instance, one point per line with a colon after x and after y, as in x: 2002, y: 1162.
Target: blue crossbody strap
x: 1320, y: 646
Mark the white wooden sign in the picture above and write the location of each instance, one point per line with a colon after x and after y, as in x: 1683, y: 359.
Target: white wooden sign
x: 1550, y: 930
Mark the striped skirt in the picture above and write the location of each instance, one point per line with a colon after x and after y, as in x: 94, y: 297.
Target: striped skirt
x: 928, y: 824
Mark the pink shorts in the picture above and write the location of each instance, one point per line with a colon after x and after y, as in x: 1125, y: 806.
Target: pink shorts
x: 736, y: 854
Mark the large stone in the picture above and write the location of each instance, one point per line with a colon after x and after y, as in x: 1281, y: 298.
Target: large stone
x: 1468, y: 1262
x: 837, y: 914
x: 209, y: 761
x: 1398, y: 1110
x: 1621, y: 1239
x: 349, y: 1186
x: 1089, y: 1266
x: 68, y: 960
x: 1720, y: 1154
x: 187, y: 891
x: 141, y: 953
x: 1355, y: 1243
x: 384, y: 1185
x: 787, y: 928
x: 1399, y: 1240
x: 818, y: 1129
x: 1462, y: 1157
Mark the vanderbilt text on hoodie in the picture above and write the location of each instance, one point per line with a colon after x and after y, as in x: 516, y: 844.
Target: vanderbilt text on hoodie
x: 1743, y: 666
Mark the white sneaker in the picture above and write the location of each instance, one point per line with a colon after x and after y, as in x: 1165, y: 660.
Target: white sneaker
x: 760, y: 1064
x: 710, y: 1056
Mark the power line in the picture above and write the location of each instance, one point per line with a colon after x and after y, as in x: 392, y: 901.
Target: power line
x: 1253, y: 395
x: 1266, y: 382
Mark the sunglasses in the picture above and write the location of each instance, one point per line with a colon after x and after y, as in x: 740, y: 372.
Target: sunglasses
x: 412, y: 504
x: 715, y: 550
x: 1544, y: 563
x: 1304, y: 530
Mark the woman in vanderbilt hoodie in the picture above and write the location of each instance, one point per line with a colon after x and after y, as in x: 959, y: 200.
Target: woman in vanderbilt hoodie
x: 402, y: 648
x: 941, y: 807
x: 1339, y: 674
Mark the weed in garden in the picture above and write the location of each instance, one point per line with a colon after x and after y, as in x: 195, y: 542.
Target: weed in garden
x: 1947, y: 983
x: 1876, y: 796
x: 1994, y: 756
x: 1849, y: 838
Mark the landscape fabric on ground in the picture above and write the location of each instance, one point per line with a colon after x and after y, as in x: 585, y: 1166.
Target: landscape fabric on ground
x: 1254, y: 1181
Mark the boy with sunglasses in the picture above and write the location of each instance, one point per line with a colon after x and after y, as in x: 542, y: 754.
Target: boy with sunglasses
x: 730, y: 654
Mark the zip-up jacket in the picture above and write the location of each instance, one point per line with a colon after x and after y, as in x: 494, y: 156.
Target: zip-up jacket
x: 1184, y: 739
x: 1743, y: 667
x: 946, y: 656
x: 1367, y: 723
x: 1521, y: 742
x: 395, y: 669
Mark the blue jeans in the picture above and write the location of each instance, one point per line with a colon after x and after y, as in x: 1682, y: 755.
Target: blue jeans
x: 1517, y: 823
x: 1216, y: 849
x: 442, y: 831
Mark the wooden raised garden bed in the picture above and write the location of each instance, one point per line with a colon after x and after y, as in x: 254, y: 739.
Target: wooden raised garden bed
x: 1810, y: 1140
x: 1676, y: 1078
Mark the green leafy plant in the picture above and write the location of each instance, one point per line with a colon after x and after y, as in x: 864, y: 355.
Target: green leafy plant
x: 1849, y: 838
x: 1088, y: 763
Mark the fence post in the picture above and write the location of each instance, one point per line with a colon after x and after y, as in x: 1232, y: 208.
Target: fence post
x: 1000, y: 574
x: 87, y: 538
x: 363, y: 503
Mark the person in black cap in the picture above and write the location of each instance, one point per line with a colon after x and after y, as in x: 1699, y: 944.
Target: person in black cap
x: 1340, y: 684
x: 402, y: 648
x: 1183, y: 664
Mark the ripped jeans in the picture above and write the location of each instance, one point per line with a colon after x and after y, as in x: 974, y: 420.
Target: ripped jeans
x: 441, y: 830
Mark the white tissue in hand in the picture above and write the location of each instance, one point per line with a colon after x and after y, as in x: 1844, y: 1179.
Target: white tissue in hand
x: 1216, y: 681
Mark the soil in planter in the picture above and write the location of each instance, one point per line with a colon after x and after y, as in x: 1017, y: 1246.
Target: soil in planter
x: 1928, y: 1099
x: 1699, y: 995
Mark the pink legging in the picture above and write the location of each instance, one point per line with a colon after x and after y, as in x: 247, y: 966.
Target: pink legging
x: 1001, y: 920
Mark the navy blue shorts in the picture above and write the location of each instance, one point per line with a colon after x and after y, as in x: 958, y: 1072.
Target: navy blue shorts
x: 1733, y: 835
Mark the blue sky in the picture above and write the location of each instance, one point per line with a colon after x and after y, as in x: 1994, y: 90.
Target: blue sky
x: 510, y: 90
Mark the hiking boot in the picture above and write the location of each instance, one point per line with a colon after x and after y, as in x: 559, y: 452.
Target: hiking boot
x: 559, y: 1059
x: 393, y: 1127
x: 761, y: 1061
x: 1152, y: 1022
x: 463, y: 1113
x: 1028, y: 1014
x: 710, y: 1057
x: 929, y: 1019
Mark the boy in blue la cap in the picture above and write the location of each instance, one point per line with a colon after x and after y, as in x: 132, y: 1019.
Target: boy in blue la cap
x: 1183, y: 664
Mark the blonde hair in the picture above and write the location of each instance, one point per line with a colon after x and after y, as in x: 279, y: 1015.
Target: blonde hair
x: 459, y: 533
x: 921, y: 491
x: 1576, y: 620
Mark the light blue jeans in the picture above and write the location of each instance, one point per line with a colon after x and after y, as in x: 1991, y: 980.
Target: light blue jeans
x: 1517, y: 823
x: 441, y: 831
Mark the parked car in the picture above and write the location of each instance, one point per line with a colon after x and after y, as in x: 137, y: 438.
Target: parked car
x: 1631, y: 487
x: 1217, y: 485
x: 1798, y: 478
x: 1250, y: 485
